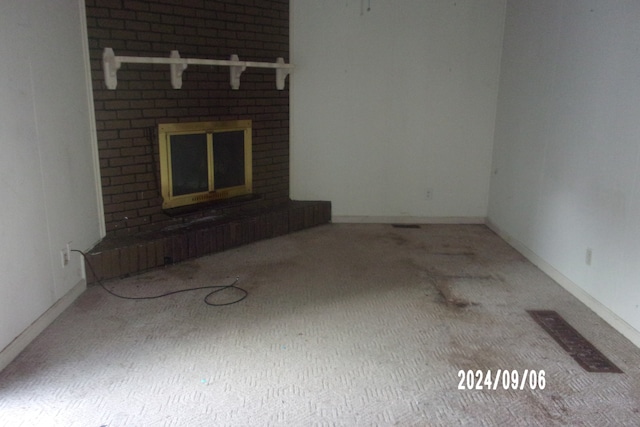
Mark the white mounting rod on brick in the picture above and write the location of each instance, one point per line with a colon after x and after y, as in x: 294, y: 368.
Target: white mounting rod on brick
x: 111, y: 64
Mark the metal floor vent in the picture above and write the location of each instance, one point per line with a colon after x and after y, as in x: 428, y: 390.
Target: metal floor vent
x: 405, y: 225
x: 575, y: 344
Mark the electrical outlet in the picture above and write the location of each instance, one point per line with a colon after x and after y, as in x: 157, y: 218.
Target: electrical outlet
x: 428, y: 195
x: 65, y: 255
x: 588, y: 256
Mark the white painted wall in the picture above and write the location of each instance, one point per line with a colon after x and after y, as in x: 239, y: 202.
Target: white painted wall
x: 47, y: 172
x: 567, y: 152
x: 389, y: 103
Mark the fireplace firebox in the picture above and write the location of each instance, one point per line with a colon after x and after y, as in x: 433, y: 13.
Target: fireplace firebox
x: 204, y: 161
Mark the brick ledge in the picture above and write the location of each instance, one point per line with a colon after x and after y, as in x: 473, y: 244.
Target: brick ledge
x: 120, y: 257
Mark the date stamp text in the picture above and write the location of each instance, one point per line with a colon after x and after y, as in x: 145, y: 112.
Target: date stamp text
x: 501, y: 379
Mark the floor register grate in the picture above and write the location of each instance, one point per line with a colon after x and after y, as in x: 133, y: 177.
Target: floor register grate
x: 589, y: 357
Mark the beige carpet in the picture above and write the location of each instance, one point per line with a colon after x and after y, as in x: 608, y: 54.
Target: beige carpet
x: 353, y: 325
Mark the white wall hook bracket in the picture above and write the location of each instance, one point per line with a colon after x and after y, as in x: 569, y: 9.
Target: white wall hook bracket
x: 176, y: 70
x: 110, y: 65
x: 235, y: 71
x: 281, y: 74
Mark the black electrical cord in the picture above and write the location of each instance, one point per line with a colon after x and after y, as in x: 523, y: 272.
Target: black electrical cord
x: 216, y: 288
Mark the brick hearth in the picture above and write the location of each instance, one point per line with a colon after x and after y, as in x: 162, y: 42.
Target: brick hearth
x: 123, y: 256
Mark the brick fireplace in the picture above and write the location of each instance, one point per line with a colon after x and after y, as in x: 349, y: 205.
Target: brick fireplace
x: 127, y: 119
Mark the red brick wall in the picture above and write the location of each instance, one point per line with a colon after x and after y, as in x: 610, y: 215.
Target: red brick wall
x: 127, y: 118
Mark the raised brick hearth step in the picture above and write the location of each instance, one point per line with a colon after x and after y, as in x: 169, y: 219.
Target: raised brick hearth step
x: 124, y: 256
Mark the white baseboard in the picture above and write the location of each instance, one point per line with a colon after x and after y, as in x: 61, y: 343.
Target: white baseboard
x: 363, y: 219
x: 11, y: 351
x: 574, y: 289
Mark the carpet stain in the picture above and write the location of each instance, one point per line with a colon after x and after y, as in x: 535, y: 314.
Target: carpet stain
x: 444, y: 286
